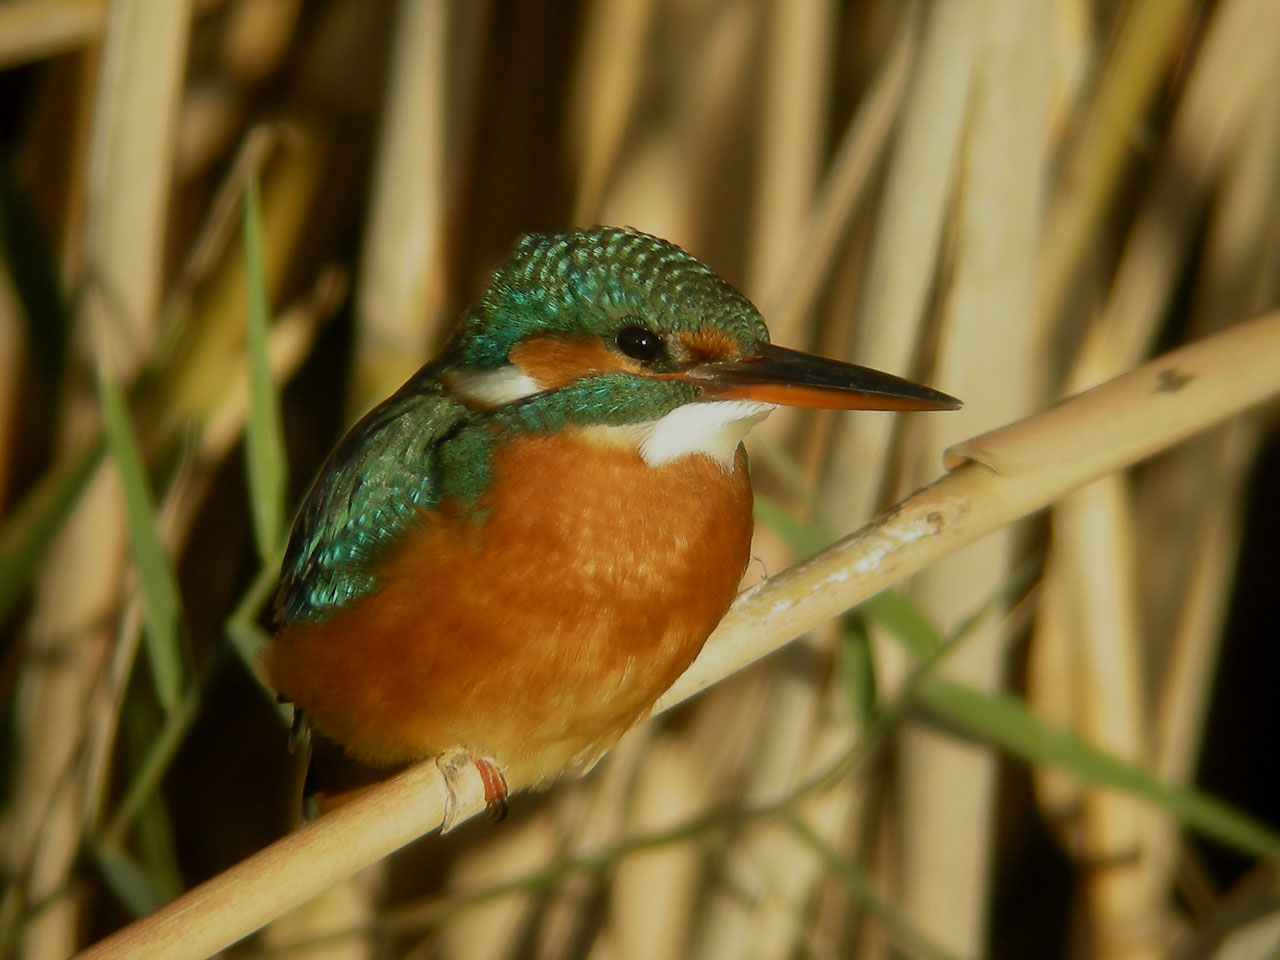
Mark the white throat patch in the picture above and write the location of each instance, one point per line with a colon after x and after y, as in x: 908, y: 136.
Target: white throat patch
x: 713, y: 428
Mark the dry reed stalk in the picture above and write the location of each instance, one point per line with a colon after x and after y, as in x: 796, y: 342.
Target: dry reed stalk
x: 846, y: 184
x: 654, y: 895
x: 488, y: 931
x: 1096, y: 158
x: 257, y: 36
x: 902, y: 262
x: 32, y: 30
x: 798, y: 41
x: 763, y: 907
x: 400, y: 299
x: 145, y: 46
x: 590, y: 819
x: 1073, y: 42
x: 1093, y: 545
x: 609, y: 80
x: 903, y: 256
x: 658, y: 182
x: 836, y: 817
x: 1092, y: 558
x: 36, y: 29
x: 760, y: 861
x: 945, y: 789
x: 675, y: 776
x: 995, y: 479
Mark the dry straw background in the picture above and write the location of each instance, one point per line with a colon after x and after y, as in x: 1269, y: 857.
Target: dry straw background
x: 228, y: 226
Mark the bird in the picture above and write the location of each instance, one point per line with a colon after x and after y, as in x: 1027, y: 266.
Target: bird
x: 505, y: 563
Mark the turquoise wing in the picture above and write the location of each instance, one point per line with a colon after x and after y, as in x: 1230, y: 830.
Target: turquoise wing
x: 383, y: 473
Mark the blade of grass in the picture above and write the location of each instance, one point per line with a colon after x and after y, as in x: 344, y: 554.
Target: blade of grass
x: 264, y: 434
x: 155, y: 763
x: 128, y: 881
x: 803, y: 539
x: 1009, y: 724
x: 246, y: 637
x: 156, y: 581
x: 773, y: 454
x: 907, y: 621
x: 857, y: 670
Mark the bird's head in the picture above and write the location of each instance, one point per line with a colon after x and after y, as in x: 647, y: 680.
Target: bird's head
x: 616, y: 328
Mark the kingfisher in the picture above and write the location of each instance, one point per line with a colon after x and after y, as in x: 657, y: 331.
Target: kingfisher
x: 506, y: 563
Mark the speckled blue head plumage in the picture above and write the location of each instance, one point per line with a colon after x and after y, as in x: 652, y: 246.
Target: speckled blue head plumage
x: 589, y: 280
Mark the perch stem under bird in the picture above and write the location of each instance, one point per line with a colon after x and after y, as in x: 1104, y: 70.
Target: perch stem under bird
x: 506, y: 562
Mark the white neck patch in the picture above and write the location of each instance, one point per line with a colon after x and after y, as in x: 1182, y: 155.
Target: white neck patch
x: 489, y: 389
x: 713, y: 428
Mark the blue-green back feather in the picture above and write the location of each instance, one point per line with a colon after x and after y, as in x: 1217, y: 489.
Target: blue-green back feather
x: 367, y: 494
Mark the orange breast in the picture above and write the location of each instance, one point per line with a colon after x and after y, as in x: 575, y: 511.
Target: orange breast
x: 536, y: 637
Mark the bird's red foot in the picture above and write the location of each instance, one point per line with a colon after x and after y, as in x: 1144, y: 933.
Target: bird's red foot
x: 451, y: 765
x: 495, y: 790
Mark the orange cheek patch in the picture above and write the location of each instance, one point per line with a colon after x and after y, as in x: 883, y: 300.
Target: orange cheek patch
x: 709, y: 345
x: 555, y: 362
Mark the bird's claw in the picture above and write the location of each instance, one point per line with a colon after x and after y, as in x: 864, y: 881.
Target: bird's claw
x: 495, y: 790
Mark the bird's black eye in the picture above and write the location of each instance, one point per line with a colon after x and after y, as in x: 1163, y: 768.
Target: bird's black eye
x: 640, y: 343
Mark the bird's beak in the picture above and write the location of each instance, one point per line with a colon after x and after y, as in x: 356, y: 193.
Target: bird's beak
x: 777, y: 375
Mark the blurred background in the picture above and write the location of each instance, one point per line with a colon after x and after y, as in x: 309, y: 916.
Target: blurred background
x: 1009, y: 199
